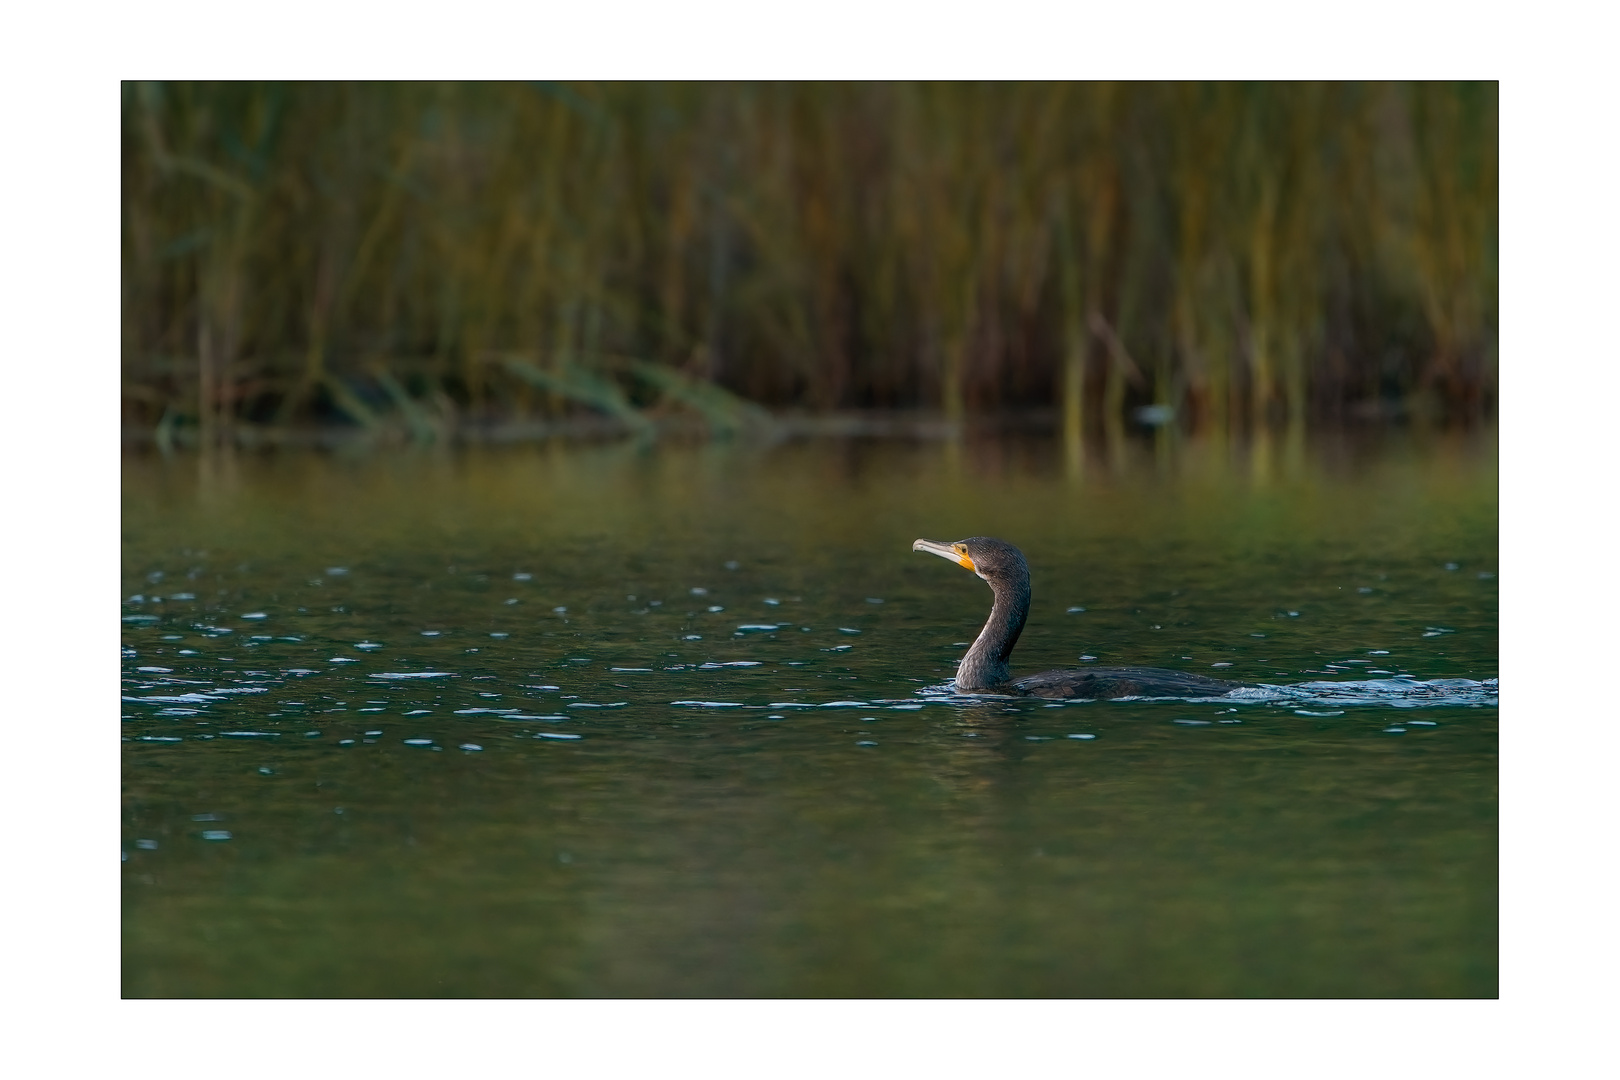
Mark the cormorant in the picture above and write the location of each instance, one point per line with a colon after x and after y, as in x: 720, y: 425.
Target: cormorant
x: 984, y: 668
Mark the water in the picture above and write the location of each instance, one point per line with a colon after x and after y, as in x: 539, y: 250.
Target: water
x: 586, y: 720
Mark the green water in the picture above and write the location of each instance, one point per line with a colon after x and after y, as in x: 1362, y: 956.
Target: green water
x: 604, y: 840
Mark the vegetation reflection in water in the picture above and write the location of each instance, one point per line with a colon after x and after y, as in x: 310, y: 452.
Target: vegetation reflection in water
x: 433, y: 725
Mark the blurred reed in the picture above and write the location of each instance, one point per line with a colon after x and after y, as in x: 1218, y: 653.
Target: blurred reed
x: 1234, y: 255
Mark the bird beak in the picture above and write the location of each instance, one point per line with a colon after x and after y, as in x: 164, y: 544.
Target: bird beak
x: 952, y: 552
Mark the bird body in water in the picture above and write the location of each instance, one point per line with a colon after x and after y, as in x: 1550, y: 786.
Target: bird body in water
x: 985, y: 669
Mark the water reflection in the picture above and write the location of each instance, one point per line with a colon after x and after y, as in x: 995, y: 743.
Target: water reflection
x: 611, y: 787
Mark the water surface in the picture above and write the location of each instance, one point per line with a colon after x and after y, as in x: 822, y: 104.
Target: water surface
x: 597, y: 720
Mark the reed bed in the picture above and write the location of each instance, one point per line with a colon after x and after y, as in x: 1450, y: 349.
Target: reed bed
x: 433, y: 255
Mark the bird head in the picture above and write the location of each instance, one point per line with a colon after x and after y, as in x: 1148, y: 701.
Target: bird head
x: 993, y: 560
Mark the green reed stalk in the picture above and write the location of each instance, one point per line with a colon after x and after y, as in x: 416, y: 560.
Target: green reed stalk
x: 1264, y: 250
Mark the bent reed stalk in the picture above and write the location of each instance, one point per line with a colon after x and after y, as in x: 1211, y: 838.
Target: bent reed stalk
x: 1238, y: 254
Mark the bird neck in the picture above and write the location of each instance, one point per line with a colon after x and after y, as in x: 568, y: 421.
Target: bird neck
x: 985, y: 665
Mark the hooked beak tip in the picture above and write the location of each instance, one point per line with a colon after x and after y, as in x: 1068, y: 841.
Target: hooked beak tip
x: 944, y: 551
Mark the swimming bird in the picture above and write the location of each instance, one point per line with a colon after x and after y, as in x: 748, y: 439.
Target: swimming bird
x: 984, y: 668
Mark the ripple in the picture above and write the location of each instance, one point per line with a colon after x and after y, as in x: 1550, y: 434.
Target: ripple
x: 717, y: 704
x: 1399, y: 693
x: 556, y: 735
x: 411, y: 675
x: 250, y: 734
x: 216, y: 834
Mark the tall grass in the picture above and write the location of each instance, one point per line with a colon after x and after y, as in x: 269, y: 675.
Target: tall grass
x: 1241, y: 254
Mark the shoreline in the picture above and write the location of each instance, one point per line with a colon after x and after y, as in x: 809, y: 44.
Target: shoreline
x: 780, y: 427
